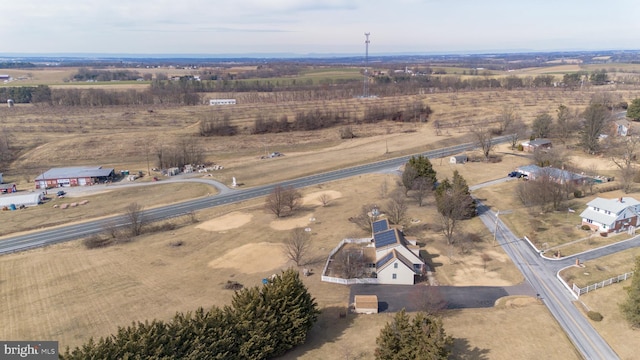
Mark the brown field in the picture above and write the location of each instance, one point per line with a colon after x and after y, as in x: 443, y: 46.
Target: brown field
x: 68, y: 293
x: 90, y: 292
x: 613, y: 327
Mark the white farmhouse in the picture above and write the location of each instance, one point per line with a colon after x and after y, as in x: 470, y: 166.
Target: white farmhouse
x: 612, y: 215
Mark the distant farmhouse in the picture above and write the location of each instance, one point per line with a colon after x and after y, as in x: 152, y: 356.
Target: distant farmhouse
x: 558, y: 175
x: 612, y: 215
x: 216, y: 102
x: 537, y: 144
x: 73, y: 176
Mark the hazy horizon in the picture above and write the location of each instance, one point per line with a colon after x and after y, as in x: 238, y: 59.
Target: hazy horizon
x: 315, y: 27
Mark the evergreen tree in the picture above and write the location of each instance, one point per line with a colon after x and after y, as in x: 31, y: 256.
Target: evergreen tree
x: 422, y: 337
x: 423, y: 168
x: 631, y: 307
x: 462, y: 194
x: 633, y: 111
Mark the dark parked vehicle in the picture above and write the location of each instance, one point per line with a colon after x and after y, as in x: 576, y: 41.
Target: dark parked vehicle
x: 61, y: 193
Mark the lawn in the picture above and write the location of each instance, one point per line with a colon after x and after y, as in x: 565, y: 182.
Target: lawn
x: 83, y: 293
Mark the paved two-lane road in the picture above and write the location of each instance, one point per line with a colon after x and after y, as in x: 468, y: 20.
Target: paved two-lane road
x: 555, y: 296
x: 72, y: 232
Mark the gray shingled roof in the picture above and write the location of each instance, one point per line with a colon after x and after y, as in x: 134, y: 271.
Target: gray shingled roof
x: 75, y: 172
x: 613, y: 205
x: 598, y: 216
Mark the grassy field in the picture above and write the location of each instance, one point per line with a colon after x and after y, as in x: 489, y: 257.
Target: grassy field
x: 90, y: 292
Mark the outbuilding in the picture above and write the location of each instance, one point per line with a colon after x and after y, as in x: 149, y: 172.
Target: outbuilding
x: 366, y: 304
x: 74, y: 176
x: 458, y: 159
x: 21, y: 199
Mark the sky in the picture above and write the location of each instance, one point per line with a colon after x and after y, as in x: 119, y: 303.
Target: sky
x: 305, y: 27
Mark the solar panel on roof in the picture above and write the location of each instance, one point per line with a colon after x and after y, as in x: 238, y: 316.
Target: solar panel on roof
x: 385, y: 238
x: 384, y: 260
x: 380, y: 225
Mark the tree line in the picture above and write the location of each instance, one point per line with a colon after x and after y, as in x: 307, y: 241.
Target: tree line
x: 261, y: 323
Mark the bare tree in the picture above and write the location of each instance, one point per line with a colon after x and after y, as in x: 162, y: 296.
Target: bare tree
x: 297, y: 245
x: 276, y: 202
x: 453, y: 205
x: 324, y: 199
x: 135, y: 217
x: 350, y: 262
x: 484, y: 138
x: 554, y: 157
x: 623, y: 151
x: 595, y: 117
x: 409, y: 176
x: 507, y: 117
x: 517, y: 131
x: 566, y: 123
x: 292, y: 198
x: 542, y: 125
x: 396, y: 208
x: 545, y: 190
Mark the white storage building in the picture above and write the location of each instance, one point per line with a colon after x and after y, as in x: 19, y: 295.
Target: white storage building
x: 19, y: 199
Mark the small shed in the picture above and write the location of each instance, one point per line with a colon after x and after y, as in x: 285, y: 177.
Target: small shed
x: 366, y: 304
x: 536, y: 144
x: 458, y: 159
x: 8, y: 188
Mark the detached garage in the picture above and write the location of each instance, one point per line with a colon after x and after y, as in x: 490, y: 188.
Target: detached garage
x: 23, y: 199
x: 366, y: 304
x: 73, y: 176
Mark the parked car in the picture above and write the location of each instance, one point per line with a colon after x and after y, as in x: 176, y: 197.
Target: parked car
x: 516, y: 174
x: 61, y: 193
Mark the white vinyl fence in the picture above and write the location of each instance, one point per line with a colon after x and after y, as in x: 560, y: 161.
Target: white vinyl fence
x: 579, y: 291
x: 342, y: 281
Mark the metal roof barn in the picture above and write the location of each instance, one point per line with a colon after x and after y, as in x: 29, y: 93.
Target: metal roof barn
x: 73, y: 176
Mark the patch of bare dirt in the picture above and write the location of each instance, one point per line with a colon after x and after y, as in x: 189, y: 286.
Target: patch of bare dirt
x: 291, y: 223
x: 226, y: 222
x: 252, y: 258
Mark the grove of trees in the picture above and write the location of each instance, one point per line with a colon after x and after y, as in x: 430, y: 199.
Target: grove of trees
x: 261, y: 323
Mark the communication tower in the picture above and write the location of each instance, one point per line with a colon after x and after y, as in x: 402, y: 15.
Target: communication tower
x: 365, y: 88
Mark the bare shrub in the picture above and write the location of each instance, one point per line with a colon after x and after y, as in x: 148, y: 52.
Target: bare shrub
x: 97, y: 241
x: 324, y: 199
x: 135, y: 217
